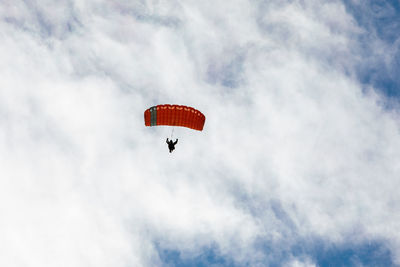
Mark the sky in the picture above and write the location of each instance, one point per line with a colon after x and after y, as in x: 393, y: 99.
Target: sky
x: 297, y: 165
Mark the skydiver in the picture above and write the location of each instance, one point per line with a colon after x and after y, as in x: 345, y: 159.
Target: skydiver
x: 171, y: 144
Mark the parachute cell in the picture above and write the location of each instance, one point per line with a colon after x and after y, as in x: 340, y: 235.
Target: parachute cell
x: 174, y: 115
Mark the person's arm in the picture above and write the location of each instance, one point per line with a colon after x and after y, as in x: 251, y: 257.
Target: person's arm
x: 167, y: 140
x: 176, y: 142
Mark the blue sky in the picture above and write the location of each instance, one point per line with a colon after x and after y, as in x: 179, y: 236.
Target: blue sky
x: 379, y: 19
x: 297, y: 164
x: 322, y: 253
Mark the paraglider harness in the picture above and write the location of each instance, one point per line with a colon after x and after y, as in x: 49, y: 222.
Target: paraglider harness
x: 171, y: 144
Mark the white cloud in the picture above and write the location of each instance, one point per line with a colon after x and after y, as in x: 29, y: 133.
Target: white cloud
x: 292, y: 149
x: 300, y: 263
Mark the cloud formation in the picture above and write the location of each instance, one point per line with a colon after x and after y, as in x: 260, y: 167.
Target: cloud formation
x: 298, y: 156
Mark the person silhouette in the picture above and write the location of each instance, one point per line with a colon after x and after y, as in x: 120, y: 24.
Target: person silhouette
x: 171, y: 144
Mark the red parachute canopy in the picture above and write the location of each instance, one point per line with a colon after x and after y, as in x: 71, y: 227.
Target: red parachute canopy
x: 174, y: 115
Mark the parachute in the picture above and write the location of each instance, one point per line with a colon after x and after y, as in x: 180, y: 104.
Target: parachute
x: 174, y: 115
